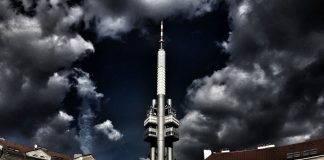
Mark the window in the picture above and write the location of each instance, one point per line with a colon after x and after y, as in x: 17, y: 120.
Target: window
x: 153, y: 133
x: 306, y: 153
x: 313, y: 151
x: 12, y: 149
x: 296, y: 154
x: 290, y: 155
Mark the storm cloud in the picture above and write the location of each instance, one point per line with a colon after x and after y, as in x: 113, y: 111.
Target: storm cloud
x: 114, y: 18
x: 272, y: 89
x: 30, y: 59
x: 38, y: 47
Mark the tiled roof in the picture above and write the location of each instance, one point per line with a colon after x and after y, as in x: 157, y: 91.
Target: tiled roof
x: 24, y: 149
x: 294, y: 151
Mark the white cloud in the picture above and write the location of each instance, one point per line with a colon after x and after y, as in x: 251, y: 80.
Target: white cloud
x: 113, y: 26
x: 85, y: 86
x: 296, y: 139
x: 55, y: 2
x: 244, y: 8
x: 219, y: 89
x: 65, y: 117
x: 193, y: 120
x: 242, y: 12
x: 108, y: 129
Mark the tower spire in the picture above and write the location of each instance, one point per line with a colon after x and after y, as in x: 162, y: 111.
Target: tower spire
x: 161, y: 39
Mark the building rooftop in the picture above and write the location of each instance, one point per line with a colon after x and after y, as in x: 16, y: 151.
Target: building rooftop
x: 23, y: 149
x: 294, y: 151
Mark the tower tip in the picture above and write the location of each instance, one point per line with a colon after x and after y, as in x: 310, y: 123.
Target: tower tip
x: 161, y: 40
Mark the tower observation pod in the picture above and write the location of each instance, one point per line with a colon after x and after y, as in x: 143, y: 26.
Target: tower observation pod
x: 161, y: 124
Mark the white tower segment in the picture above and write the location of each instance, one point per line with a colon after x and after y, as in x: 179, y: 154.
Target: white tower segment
x: 161, y: 72
x: 161, y: 66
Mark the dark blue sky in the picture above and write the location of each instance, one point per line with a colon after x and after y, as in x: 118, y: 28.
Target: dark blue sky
x: 80, y: 74
x: 125, y: 70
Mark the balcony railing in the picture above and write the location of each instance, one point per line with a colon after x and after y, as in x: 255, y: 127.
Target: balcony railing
x: 150, y: 119
x: 150, y: 133
x: 172, y: 119
x: 172, y: 133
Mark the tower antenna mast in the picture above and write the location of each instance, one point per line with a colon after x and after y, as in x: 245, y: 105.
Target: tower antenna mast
x: 161, y: 38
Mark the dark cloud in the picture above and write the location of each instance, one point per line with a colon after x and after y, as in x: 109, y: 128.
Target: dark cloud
x: 271, y: 91
x: 116, y: 17
x: 29, y: 62
x: 37, y: 50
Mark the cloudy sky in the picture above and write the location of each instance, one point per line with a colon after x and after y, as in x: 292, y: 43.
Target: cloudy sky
x: 77, y: 76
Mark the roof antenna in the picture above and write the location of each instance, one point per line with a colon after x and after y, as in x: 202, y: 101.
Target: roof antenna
x: 161, y: 40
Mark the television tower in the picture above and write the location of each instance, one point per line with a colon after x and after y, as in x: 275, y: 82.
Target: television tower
x: 161, y: 123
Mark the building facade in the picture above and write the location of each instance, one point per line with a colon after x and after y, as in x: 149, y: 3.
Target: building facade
x: 309, y: 150
x: 161, y: 123
x: 13, y: 151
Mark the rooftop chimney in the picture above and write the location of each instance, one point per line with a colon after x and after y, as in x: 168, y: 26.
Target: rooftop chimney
x: 207, y: 153
x: 225, y: 150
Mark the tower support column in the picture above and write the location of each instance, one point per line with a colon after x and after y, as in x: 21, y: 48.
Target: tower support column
x: 153, y: 154
x: 160, y: 131
x: 170, y: 151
